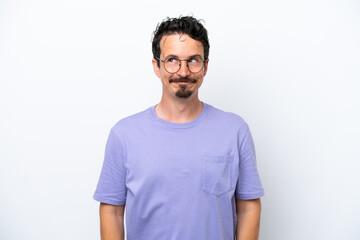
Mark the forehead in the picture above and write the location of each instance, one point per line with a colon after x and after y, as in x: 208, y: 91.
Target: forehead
x: 181, y: 45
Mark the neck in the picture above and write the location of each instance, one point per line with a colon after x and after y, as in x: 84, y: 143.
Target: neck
x: 179, y: 110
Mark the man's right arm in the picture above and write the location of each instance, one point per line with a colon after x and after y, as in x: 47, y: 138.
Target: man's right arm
x: 112, y: 221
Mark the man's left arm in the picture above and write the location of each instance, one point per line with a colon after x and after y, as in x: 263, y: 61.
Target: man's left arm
x: 248, y: 219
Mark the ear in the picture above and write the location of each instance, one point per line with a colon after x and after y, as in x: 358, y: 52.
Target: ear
x: 206, y: 66
x: 156, y: 68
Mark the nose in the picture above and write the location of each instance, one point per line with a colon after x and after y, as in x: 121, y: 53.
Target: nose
x: 184, y: 70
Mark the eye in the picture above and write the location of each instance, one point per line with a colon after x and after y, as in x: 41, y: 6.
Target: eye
x: 172, y: 60
x: 195, y: 60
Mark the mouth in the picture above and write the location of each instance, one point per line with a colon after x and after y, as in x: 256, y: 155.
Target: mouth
x: 183, y: 82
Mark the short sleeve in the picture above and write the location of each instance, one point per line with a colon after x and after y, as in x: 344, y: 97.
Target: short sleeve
x: 248, y: 185
x: 111, y: 187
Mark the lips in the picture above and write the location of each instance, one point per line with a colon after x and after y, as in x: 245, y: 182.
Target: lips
x: 183, y: 83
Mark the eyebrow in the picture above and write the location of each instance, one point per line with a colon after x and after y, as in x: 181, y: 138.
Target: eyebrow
x: 175, y: 56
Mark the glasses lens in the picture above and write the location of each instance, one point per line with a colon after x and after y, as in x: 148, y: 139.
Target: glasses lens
x: 195, y: 64
x: 172, y: 65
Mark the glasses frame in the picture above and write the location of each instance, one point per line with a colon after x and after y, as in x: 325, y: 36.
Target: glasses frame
x: 180, y: 60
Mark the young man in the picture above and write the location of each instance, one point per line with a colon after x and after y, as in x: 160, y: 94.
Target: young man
x: 183, y: 169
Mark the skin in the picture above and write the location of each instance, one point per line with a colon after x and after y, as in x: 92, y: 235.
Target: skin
x: 248, y: 214
x: 180, y: 103
x: 111, y: 222
x: 173, y: 108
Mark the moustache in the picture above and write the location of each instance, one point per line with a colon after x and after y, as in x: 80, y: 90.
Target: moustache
x: 186, y: 79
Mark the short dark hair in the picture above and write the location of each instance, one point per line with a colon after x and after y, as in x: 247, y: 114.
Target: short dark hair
x: 182, y: 25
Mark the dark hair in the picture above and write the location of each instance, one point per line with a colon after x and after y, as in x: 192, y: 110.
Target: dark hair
x: 182, y: 25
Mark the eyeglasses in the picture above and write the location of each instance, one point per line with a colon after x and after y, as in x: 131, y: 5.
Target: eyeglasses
x: 173, y: 64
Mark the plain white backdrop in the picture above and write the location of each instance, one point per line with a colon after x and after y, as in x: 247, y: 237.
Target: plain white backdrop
x: 70, y: 69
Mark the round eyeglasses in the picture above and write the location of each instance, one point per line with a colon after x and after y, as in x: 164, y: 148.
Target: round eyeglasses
x: 173, y: 64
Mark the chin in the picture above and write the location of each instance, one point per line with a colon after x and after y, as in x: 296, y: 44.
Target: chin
x: 181, y: 94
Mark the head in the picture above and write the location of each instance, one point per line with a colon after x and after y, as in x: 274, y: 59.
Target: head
x: 181, y: 38
x: 182, y: 25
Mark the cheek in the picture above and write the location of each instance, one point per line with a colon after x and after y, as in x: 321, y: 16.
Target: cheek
x: 200, y: 77
x: 164, y: 73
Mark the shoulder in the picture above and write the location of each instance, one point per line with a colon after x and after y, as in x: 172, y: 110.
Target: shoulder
x: 227, y: 118
x: 131, y: 122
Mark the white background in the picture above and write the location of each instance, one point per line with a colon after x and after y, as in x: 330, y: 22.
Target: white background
x: 70, y: 69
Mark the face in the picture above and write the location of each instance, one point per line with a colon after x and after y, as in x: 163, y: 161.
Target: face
x: 182, y: 84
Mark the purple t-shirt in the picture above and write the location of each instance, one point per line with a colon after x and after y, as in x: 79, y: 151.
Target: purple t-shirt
x: 179, y: 180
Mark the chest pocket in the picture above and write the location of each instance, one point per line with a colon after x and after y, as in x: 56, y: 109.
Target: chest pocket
x: 216, y: 175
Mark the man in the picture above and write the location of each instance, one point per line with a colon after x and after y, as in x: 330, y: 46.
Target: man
x: 183, y: 169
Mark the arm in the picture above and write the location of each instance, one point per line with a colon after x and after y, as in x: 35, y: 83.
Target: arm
x: 248, y: 214
x: 112, y: 221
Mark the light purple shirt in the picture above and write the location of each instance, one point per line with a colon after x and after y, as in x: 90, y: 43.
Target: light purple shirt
x: 179, y: 181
